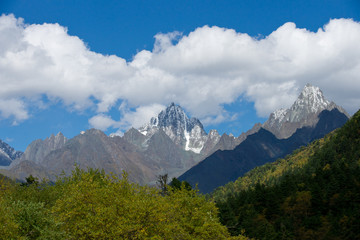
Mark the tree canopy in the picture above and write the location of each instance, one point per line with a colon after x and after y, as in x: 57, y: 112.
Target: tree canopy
x: 92, y: 205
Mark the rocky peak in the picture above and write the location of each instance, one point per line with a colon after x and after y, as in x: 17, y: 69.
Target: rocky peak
x: 55, y: 140
x: 38, y: 149
x: 7, y: 154
x: 135, y: 137
x: 174, y: 116
x: 311, y: 100
x: 214, y: 134
x: 304, y: 112
x: 186, y: 132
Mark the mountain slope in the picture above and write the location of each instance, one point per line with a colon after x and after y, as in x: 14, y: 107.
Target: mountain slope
x: 8, y: 154
x: 96, y: 150
x: 259, y: 148
x: 271, y: 172
x: 39, y: 149
x: 312, y: 194
x: 92, y: 148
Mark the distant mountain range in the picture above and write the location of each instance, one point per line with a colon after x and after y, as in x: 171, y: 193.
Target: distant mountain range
x: 172, y: 143
x: 309, y: 118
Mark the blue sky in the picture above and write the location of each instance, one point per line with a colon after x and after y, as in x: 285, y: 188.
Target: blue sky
x: 71, y: 65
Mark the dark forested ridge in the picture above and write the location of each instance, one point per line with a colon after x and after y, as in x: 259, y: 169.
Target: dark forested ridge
x: 258, y: 149
x: 312, y: 194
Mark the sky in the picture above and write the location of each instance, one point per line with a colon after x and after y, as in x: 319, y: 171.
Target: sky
x: 67, y: 66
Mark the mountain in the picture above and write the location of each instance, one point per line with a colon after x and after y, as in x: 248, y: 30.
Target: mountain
x: 171, y: 143
x: 91, y: 148
x: 270, y: 173
x: 311, y: 194
x: 310, y: 117
x: 39, y: 149
x: 186, y: 132
x: 258, y: 149
x: 166, y: 157
x: 211, y: 143
x: 7, y: 154
x: 304, y: 112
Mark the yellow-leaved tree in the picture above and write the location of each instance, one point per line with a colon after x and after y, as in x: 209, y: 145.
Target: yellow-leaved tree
x: 94, y: 205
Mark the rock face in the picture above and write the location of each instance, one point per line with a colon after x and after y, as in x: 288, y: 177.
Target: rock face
x: 304, y: 112
x: 186, y: 132
x: 258, y: 149
x: 211, y: 142
x: 39, y: 149
x: 167, y: 157
x: 94, y: 149
x: 8, y: 154
x: 52, y: 156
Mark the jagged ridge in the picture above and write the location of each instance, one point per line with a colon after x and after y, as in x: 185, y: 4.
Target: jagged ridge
x: 186, y: 132
x: 8, y: 154
x: 304, y: 112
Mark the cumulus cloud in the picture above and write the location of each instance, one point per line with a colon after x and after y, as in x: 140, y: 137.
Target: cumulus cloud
x: 129, y: 117
x: 140, y: 116
x: 103, y: 122
x: 13, y: 108
x: 202, y: 71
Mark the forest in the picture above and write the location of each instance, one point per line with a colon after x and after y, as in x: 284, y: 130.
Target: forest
x: 312, y: 194
x: 92, y: 205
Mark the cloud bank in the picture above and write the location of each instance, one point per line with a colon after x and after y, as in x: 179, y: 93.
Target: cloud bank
x: 202, y: 71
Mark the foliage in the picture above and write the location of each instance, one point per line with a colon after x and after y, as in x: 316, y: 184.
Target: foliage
x: 92, y: 205
x: 270, y: 173
x: 162, y: 183
x: 30, y: 180
x: 318, y: 198
x: 176, y: 184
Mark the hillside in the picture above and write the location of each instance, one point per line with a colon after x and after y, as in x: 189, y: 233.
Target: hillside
x: 270, y: 173
x: 312, y: 194
x: 258, y: 149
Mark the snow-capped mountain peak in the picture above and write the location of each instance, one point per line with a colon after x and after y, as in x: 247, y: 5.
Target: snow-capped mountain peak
x: 310, y: 100
x: 304, y: 112
x: 184, y: 131
x: 8, y: 154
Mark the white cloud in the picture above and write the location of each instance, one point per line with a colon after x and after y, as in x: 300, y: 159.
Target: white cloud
x: 13, y: 108
x: 201, y: 71
x: 130, y: 117
x: 139, y: 116
x: 103, y: 122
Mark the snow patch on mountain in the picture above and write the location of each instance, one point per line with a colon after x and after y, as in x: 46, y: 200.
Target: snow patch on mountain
x: 280, y: 114
x: 304, y: 112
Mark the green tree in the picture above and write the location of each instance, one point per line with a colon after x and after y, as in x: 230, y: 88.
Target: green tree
x: 97, y: 206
